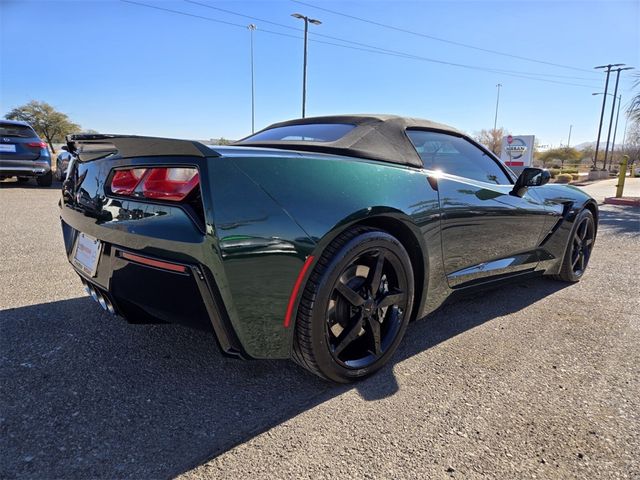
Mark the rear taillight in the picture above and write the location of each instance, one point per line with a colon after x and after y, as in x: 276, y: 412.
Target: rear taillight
x: 124, y: 182
x: 170, y: 183
x: 173, y: 183
x: 37, y: 144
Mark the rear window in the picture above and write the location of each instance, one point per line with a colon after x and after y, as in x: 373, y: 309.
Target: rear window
x: 11, y: 130
x: 313, y: 132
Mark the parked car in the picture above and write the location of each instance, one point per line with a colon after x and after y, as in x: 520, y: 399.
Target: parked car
x: 62, y: 163
x: 315, y: 239
x: 23, y: 154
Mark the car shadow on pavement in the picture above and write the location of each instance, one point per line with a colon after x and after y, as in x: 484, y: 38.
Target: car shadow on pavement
x: 88, y: 395
x: 619, y: 219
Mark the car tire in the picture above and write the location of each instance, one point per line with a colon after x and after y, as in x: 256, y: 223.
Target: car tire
x: 579, y: 248
x: 23, y: 179
x: 45, y: 180
x: 58, y: 172
x: 355, y: 306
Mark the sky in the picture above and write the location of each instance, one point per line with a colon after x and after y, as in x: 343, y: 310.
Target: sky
x: 119, y: 67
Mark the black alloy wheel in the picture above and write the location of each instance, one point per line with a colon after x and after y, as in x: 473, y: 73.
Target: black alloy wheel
x: 355, y: 307
x: 365, y: 309
x: 579, y: 248
x: 582, y: 245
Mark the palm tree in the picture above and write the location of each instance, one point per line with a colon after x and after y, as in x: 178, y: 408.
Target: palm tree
x: 634, y: 107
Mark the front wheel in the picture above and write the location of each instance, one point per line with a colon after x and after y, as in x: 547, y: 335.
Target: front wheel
x: 355, y: 306
x: 579, y: 247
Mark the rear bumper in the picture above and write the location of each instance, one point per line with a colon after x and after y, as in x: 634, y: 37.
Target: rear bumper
x: 148, y: 293
x: 24, y: 168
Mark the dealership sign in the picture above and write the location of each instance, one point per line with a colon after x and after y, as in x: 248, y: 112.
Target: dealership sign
x: 517, y: 150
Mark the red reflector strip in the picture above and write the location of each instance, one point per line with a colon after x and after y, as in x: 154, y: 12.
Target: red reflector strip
x: 296, y: 288
x: 153, y: 263
x: 514, y: 164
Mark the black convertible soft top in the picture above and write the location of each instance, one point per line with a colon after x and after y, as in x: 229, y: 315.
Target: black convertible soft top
x: 377, y: 137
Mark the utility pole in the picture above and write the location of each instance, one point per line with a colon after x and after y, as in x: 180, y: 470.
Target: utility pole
x: 569, y: 139
x: 307, y: 21
x: 252, y: 28
x: 615, y: 131
x: 495, y: 120
x: 604, y: 102
x: 613, y: 108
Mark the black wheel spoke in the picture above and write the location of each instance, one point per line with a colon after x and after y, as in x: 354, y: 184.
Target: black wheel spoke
x: 391, y: 299
x: 576, y: 239
x: 574, y: 262
x: 375, y: 274
x: 374, y: 326
x: 582, y: 230
x: 588, y: 241
x: 350, y: 295
x: 349, y: 336
x: 581, y: 257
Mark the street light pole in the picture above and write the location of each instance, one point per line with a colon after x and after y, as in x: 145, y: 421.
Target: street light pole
x: 251, y: 28
x: 307, y: 20
x: 495, y: 120
x: 615, y: 131
x: 604, y: 102
x: 613, y: 108
x: 569, y: 139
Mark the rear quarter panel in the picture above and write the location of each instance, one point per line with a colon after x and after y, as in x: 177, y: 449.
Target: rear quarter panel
x: 326, y: 194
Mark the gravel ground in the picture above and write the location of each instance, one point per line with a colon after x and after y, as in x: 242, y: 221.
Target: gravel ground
x: 535, y: 380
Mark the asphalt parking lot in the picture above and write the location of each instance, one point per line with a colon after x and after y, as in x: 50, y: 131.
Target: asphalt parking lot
x: 536, y: 380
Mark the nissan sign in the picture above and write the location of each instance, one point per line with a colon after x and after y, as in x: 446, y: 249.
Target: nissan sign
x: 517, y: 150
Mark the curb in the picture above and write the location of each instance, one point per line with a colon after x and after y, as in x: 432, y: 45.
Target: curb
x: 627, y: 201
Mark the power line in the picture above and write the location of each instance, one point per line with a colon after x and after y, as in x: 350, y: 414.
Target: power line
x: 360, y: 44
x: 439, y: 39
x: 367, y: 48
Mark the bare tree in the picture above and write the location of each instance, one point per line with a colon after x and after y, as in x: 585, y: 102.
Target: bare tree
x: 634, y: 107
x: 631, y: 145
x: 492, y: 139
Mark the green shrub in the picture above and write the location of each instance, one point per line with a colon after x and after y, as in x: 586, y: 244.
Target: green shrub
x: 563, y: 178
x: 569, y: 170
x: 554, y: 172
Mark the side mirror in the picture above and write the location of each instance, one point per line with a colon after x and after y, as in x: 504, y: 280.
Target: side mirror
x: 531, y: 177
x: 65, y: 148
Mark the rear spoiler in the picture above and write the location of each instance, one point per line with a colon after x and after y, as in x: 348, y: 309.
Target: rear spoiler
x: 91, y: 146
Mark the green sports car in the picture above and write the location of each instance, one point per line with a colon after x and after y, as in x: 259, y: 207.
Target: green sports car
x: 316, y: 239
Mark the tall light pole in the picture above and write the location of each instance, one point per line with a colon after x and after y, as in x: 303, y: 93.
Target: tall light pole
x: 619, y: 99
x: 307, y: 21
x: 615, y: 130
x: 569, y: 139
x: 604, y: 102
x: 495, y: 119
x: 613, y: 109
x: 251, y: 28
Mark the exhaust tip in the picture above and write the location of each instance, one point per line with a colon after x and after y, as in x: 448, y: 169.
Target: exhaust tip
x: 99, y: 298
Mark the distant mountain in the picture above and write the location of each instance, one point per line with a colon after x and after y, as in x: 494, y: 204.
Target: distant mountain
x: 585, y: 145
x: 603, y: 143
